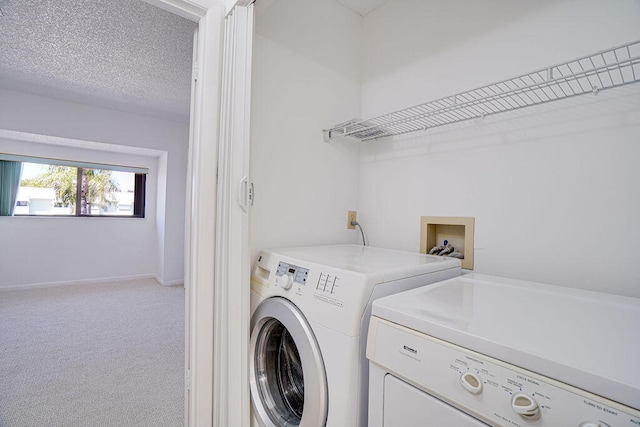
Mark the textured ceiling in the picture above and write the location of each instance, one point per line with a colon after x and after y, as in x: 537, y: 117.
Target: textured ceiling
x: 123, y: 54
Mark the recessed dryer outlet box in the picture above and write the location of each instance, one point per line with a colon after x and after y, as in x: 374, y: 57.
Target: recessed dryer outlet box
x: 458, y: 230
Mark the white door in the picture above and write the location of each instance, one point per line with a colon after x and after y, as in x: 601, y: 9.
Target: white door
x: 217, y: 331
x: 232, y: 265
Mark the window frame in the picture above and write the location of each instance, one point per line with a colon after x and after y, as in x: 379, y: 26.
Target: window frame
x: 140, y: 181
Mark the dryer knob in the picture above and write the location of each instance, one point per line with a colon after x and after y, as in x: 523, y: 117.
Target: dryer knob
x: 285, y: 281
x: 471, y: 382
x: 524, y: 405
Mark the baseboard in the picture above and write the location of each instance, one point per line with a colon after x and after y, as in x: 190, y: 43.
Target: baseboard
x: 169, y: 282
x: 80, y: 282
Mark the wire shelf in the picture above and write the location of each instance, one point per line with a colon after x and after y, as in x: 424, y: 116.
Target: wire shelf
x: 607, y: 69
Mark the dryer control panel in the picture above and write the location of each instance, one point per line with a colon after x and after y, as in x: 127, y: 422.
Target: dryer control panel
x: 493, y: 391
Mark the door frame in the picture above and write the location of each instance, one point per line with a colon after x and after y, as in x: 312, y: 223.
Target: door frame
x: 203, y: 362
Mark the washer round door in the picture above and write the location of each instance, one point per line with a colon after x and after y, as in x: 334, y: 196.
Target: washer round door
x: 287, y: 375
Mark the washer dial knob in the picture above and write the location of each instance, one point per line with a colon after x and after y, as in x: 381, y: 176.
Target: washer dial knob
x: 471, y: 382
x: 525, y: 406
x: 285, y: 281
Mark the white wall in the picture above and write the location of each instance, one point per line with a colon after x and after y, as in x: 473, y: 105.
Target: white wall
x: 554, y: 188
x: 119, y: 247
x: 306, y: 74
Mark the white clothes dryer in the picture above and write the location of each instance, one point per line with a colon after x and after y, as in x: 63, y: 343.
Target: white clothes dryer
x: 483, y: 350
x: 311, y: 308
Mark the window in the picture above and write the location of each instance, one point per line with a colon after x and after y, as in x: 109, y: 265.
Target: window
x: 53, y: 187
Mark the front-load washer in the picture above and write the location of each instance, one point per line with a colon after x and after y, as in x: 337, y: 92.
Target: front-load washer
x: 310, y: 310
x: 477, y: 350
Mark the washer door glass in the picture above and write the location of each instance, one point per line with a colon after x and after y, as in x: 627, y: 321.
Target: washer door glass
x: 280, y: 369
x: 285, y: 359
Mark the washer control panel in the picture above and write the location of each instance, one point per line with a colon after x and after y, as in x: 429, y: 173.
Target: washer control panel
x: 327, y: 284
x: 333, y: 297
x: 491, y: 390
x: 288, y: 274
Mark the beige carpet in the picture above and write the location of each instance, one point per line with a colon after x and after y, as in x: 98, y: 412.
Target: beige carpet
x: 109, y: 354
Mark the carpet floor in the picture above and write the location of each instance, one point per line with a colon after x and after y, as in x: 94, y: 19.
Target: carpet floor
x: 108, y: 354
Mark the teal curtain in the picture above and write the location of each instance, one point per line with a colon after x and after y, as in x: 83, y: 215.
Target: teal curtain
x: 9, y: 182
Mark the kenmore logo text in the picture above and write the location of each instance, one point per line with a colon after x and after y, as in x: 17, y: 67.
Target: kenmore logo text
x: 410, y: 349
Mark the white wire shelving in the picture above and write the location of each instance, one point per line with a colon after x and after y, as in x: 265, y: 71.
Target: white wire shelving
x: 589, y: 74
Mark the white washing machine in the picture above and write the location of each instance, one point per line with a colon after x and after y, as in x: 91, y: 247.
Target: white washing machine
x: 308, y: 329
x: 478, y: 350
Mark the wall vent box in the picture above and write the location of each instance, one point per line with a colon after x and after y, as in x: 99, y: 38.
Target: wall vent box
x: 458, y: 230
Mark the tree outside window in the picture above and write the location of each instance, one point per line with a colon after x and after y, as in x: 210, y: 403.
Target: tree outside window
x: 97, y: 189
